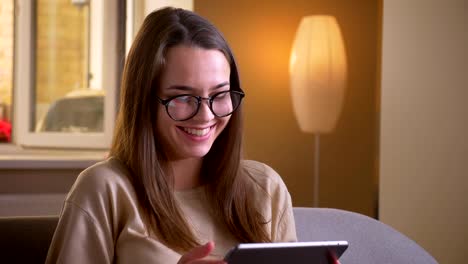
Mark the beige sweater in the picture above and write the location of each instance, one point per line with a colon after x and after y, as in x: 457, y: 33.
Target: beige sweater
x: 101, y: 221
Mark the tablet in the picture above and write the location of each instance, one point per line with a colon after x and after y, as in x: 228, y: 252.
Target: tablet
x: 317, y: 252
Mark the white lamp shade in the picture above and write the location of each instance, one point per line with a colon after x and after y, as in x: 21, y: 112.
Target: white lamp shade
x: 318, y: 74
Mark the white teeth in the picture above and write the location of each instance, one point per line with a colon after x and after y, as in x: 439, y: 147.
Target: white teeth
x: 197, y: 132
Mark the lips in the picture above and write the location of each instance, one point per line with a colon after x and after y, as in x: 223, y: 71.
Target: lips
x: 197, y: 132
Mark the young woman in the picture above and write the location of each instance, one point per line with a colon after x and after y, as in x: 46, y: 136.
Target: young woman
x: 175, y: 189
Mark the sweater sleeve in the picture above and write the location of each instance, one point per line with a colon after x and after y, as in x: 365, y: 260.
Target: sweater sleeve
x: 283, y: 225
x: 78, y: 239
x: 275, y: 201
x: 286, y: 225
x: 86, y: 229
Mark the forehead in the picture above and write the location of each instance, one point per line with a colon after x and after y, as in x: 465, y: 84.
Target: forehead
x: 195, y: 67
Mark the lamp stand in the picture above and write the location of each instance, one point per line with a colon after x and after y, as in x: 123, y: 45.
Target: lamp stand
x: 316, y: 169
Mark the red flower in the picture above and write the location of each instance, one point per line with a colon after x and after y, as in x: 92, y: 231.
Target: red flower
x: 5, y: 131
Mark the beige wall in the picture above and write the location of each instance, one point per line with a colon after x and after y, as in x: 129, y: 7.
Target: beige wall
x: 424, y: 124
x: 261, y: 34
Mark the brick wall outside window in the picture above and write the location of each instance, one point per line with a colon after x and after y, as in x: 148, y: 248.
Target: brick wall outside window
x: 6, y: 56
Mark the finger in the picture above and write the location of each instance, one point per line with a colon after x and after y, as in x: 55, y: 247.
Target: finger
x: 332, y: 259
x: 197, y: 253
x: 206, y: 261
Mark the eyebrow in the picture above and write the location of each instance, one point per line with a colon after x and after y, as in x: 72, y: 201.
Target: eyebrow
x: 188, y: 88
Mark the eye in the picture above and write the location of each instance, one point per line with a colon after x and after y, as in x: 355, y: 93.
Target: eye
x: 222, y: 94
x: 182, y: 99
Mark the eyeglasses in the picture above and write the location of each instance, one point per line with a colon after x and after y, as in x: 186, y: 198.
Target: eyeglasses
x: 185, y: 106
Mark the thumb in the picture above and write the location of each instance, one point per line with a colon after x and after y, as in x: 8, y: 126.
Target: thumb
x: 332, y: 259
x: 197, y: 253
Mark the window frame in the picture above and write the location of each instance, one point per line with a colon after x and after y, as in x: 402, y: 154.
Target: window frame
x: 24, y: 80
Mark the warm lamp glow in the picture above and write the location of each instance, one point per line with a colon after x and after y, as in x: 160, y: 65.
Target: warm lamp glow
x: 318, y: 74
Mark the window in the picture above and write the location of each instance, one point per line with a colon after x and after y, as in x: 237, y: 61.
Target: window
x: 60, y: 65
x: 6, y: 68
x: 63, y: 98
x: 67, y: 63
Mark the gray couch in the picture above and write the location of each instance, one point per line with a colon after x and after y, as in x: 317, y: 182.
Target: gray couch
x: 26, y: 239
x: 370, y: 241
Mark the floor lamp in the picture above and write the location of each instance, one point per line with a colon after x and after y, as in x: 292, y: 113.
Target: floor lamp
x: 317, y: 80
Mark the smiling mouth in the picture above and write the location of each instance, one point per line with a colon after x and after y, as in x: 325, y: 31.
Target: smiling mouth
x: 196, y: 131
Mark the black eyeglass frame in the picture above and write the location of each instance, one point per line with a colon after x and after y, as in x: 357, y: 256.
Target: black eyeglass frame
x: 210, y: 99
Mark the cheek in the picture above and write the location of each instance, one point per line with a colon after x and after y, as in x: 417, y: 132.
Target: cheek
x: 162, y: 123
x: 223, y: 124
x: 158, y: 122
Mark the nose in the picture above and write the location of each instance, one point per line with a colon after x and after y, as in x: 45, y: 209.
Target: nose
x: 204, y: 112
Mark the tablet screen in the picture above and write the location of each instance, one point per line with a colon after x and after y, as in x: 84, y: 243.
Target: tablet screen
x: 317, y: 252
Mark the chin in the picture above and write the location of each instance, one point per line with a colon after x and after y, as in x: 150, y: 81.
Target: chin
x: 197, y: 153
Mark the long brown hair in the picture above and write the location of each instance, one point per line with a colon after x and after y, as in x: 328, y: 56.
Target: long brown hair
x: 136, y: 143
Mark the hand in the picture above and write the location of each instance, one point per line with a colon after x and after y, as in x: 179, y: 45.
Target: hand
x: 196, y: 255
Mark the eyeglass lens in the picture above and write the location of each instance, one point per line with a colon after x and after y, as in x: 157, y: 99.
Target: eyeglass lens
x: 185, y: 106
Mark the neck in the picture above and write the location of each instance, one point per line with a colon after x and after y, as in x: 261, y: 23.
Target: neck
x: 186, y: 173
